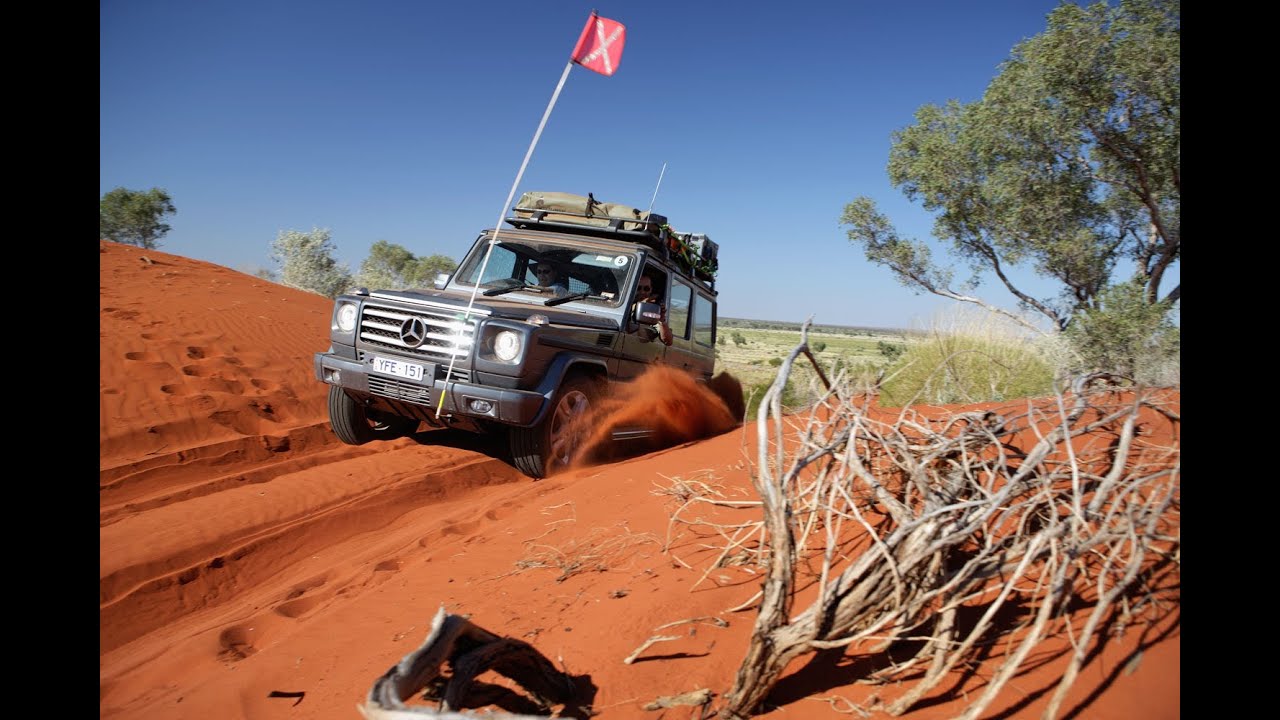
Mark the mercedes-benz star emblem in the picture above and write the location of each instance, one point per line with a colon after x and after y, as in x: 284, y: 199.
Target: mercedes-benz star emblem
x: 413, y: 332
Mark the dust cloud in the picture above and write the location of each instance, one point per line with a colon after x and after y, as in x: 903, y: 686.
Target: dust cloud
x: 661, y: 408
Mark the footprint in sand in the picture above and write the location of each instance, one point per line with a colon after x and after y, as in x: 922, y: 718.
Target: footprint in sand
x: 298, y: 602
x: 203, y: 402
x: 195, y: 371
x: 234, y: 420
x: 237, y: 643
x: 297, y: 608
x: 262, y: 409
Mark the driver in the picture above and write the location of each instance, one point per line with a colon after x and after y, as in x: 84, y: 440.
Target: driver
x: 646, y: 291
x: 549, y: 276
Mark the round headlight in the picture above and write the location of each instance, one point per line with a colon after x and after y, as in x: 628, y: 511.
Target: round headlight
x: 347, y: 317
x: 506, y: 345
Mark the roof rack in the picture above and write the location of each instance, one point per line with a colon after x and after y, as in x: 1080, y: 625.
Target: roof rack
x: 693, y: 254
x: 596, y: 225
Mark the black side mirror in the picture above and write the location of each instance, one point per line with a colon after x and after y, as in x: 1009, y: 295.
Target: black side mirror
x: 648, y: 313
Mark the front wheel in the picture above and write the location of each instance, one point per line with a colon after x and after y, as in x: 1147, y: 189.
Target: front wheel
x: 549, y: 446
x: 355, y: 425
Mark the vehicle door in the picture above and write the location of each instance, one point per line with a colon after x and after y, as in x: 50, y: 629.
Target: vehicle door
x: 638, y: 351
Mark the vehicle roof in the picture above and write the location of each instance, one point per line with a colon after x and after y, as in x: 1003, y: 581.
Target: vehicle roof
x: 596, y: 241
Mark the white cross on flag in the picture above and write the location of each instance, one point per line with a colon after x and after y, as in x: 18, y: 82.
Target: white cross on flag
x: 600, y: 47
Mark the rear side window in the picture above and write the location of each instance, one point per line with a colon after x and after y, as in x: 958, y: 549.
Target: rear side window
x: 704, y: 320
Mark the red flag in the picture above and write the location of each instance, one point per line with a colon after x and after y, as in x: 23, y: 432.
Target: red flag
x: 600, y: 47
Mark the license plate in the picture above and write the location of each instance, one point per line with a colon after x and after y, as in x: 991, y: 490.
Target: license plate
x: 412, y: 371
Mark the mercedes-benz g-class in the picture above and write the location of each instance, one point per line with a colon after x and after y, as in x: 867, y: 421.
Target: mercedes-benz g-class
x: 493, y: 349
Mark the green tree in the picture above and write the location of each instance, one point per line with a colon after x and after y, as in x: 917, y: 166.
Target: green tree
x: 307, y: 263
x: 133, y: 217
x: 738, y: 339
x: 1069, y: 163
x: 424, y: 270
x: 392, y: 267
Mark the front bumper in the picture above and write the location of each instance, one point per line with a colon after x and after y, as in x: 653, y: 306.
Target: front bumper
x: 420, y: 400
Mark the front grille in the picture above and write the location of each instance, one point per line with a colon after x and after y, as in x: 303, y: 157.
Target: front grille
x: 380, y: 328
x: 399, y: 389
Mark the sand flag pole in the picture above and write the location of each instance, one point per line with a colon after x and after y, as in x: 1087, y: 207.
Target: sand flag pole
x: 599, y: 49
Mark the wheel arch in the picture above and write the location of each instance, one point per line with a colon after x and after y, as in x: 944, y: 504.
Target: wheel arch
x: 561, y: 368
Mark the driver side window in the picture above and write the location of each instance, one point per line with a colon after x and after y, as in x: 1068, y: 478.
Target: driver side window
x: 656, y: 278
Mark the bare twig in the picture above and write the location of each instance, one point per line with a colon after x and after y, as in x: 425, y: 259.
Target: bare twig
x: 646, y: 644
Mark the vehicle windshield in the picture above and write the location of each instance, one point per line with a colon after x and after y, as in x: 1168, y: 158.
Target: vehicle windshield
x: 546, y: 270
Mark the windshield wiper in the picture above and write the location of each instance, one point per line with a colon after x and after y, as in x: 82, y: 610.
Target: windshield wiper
x: 569, y: 298
x: 516, y: 285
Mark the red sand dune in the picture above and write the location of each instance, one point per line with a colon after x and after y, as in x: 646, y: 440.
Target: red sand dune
x: 251, y: 566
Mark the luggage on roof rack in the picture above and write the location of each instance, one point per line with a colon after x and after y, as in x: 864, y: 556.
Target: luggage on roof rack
x: 569, y: 209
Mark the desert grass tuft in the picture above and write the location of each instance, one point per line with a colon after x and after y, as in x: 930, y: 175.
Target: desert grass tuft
x: 971, y: 356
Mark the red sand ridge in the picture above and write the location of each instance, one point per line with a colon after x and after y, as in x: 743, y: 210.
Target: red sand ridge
x: 252, y: 567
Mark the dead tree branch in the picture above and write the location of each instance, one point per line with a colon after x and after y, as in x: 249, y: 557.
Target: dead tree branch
x: 915, y: 522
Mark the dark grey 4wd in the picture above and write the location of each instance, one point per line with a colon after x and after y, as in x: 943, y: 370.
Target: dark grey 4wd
x: 493, y: 349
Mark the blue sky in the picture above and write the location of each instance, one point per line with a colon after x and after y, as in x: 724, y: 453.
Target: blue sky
x: 408, y: 121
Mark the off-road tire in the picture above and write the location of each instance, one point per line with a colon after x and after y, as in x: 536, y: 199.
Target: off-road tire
x: 547, y: 448
x: 354, y: 425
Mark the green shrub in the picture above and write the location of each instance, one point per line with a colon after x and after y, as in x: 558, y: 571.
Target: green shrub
x: 859, y: 375
x: 891, y: 350
x: 1127, y: 335
x: 754, y: 394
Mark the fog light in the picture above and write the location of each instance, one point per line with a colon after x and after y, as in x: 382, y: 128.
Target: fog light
x: 483, y: 407
x: 333, y: 376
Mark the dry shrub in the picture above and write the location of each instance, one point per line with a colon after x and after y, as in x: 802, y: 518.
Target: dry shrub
x: 601, y: 550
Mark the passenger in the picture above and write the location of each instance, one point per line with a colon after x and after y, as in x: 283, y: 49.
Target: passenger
x: 647, y: 291
x: 548, y: 276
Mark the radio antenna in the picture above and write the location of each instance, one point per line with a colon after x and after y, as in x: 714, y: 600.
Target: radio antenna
x: 655, y: 189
